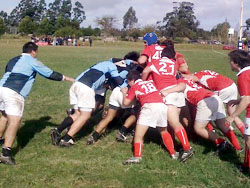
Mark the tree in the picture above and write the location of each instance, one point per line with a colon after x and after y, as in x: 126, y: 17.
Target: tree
x: 107, y: 24
x: 62, y: 22
x: 2, y: 27
x: 181, y: 22
x: 220, y: 31
x: 4, y: 16
x: 129, y: 19
x: 27, y: 26
x: 79, y: 14
x: 45, y: 27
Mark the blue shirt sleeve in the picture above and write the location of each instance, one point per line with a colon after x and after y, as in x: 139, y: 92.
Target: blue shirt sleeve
x: 41, y: 69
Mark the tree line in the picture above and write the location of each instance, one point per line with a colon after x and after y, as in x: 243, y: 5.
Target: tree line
x: 62, y: 18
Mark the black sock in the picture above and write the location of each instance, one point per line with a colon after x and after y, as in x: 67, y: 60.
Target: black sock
x: 124, y: 130
x: 6, y: 151
x: 66, y: 138
x: 66, y: 123
x: 96, y: 135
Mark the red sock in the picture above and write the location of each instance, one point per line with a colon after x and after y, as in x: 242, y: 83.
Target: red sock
x: 219, y: 141
x: 246, y: 162
x: 168, y: 142
x: 182, y: 137
x: 241, y: 127
x: 210, y: 127
x: 138, y: 149
x: 233, y: 139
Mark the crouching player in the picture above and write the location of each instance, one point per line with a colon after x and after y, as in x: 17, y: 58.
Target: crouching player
x: 209, y: 108
x: 153, y: 114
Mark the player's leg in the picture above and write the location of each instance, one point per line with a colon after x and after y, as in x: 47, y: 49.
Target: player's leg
x: 123, y: 130
x: 173, y: 119
x: 3, y: 126
x: 102, y: 125
x: 138, y: 144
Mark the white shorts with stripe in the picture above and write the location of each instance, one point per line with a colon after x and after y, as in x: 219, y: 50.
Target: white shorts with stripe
x: 210, y: 108
x: 227, y: 94
x: 82, y: 97
x: 153, y: 115
x: 11, y: 102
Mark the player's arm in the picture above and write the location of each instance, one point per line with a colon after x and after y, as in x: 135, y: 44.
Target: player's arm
x: 142, y: 59
x: 145, y: 73
x: 126, y: 101
x: 191, y: 76
x: 243, y: 103
x: 181, y: 86
x: 183, y: 68
x: 48, y: 73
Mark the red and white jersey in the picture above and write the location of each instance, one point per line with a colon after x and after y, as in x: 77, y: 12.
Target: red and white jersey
x: 213, y: 80
x: 243, y: 85
x: 164, y: 72
x: 145, y: 92
x: 193, y: 92
x: 153, y: 52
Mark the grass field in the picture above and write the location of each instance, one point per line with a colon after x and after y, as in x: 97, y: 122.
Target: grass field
x: 39, y: 164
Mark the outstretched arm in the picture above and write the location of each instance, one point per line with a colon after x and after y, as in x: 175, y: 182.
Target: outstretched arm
x: 146, y: 71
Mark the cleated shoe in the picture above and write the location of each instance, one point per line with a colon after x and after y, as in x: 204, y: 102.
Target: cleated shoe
x: 91, y: 140
x: 9, y: 160
x: 222, y: 147
x: 55, y: 137
x: 132, y: 160
x: 120, y: 137
x: 186, y: 155
x: 175, y: 156
x: 66, y: 144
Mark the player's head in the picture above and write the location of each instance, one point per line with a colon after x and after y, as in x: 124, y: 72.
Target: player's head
x: 169, y: 50
x: 150, y: 38
x: 239, y: 59
x: 31, y: 48
x: 132, y: 56
x: 132, y: 76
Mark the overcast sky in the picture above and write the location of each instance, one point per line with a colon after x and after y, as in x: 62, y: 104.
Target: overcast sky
x: 209, y: 13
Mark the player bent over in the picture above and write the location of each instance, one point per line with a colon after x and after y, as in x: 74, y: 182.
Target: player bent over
x: 15, y: 85
x: 209, y: 108
x: 153, y: 114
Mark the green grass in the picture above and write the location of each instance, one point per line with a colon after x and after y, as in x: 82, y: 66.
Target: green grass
x: 39, y: 164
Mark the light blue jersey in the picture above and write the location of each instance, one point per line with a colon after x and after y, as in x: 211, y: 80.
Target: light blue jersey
x: 21, y: 71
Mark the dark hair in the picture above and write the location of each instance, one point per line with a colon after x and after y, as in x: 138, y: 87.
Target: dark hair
x: 132, y: 56
x: 29, y: 47
x: 240, y: 57
x: 169, y: 50
x: 133, y: 75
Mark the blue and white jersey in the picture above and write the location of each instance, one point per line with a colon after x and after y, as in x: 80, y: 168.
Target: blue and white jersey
x: 20, y: 73
x: 95, y: 76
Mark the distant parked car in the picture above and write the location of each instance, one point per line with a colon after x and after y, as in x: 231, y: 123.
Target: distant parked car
x: 228, y: 47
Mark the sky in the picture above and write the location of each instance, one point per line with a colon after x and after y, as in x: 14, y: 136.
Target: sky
x: 209, y: 12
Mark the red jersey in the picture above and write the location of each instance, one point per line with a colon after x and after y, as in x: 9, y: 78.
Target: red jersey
x: 195, y: 93
x: 212, y: 80
x: 164, y: 72
x: 243, y: 85
x: 153, y: 52
x: 145, y: 92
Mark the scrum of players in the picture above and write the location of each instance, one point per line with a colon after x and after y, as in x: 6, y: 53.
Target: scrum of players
x: 153, y: 90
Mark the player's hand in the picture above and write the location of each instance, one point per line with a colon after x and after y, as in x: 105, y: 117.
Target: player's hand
x: 124, y: 90
x: 66, y: 78
x: 229, y: 120
x: 233, y: 103
x: 164, y: 93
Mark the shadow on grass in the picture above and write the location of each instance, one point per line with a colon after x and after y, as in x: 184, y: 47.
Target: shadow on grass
x: 28, y: 131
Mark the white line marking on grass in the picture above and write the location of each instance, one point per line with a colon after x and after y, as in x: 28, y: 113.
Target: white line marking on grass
x: 218, y: 52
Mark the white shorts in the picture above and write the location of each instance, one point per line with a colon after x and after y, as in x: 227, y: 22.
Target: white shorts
x: 11, y: 102
x: 116, y: 99
x: 153, y: 115
x: 82, y: 97
x: 247, y: 126
x: 227, y: 94
x: 176, y: 98
x: 210, y: 108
